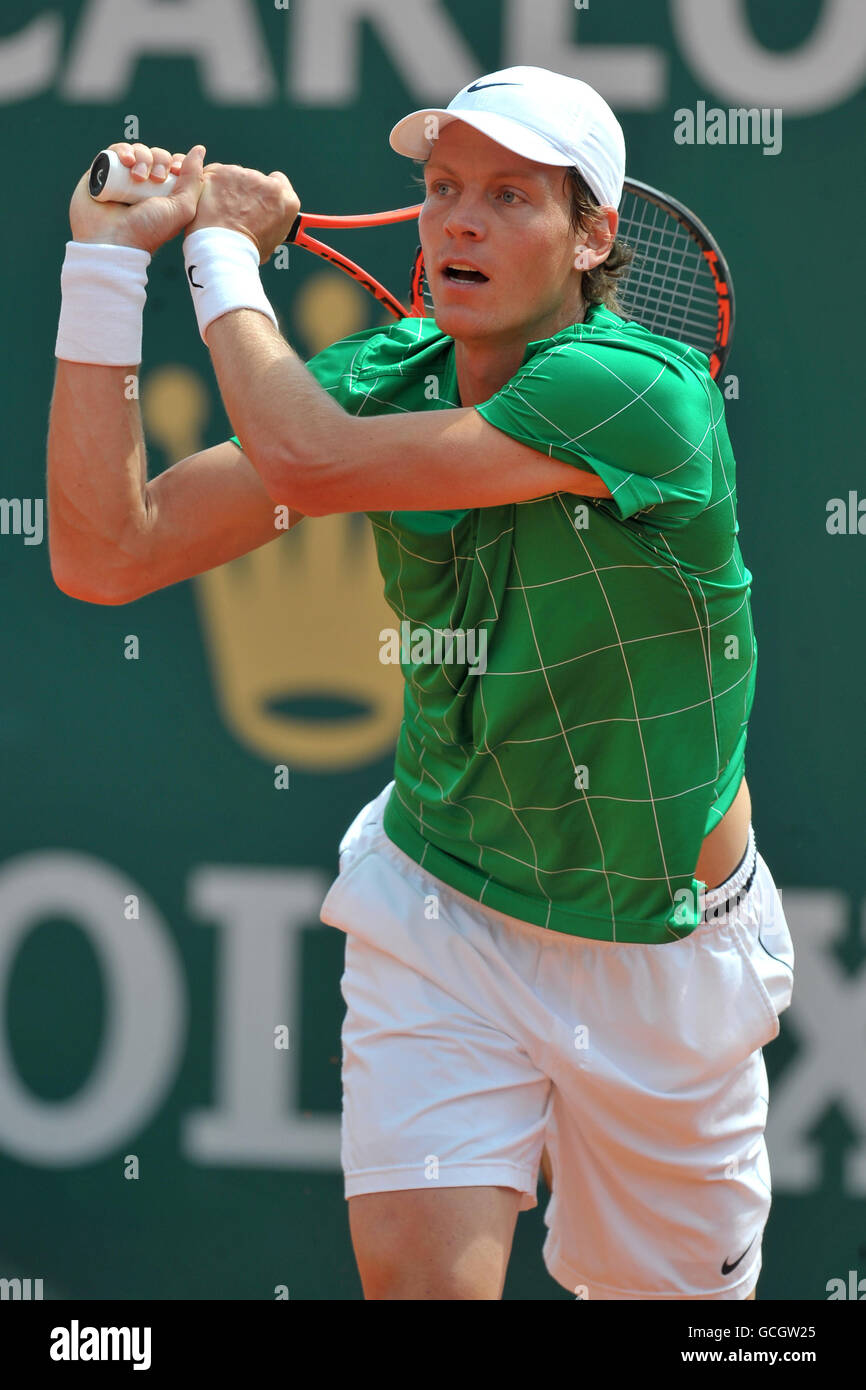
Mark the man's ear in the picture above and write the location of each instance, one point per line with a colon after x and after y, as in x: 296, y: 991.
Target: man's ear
x: 597, y: 241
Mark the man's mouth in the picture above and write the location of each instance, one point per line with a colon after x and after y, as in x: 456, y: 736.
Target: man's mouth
x: 461, y: 273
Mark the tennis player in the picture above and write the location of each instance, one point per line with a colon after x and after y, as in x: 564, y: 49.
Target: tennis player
x: 559, y: 933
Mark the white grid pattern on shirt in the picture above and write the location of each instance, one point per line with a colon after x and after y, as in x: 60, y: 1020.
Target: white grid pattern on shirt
x: 696, y: 596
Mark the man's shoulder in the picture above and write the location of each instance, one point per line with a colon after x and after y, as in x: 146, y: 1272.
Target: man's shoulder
x: 400, y: 348
x: 606, y: 330
x: 609, y: 350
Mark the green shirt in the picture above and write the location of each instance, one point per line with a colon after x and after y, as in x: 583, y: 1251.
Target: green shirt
x: 564, y: 752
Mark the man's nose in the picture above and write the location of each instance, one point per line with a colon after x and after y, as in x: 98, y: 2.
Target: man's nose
x: 465, y: 217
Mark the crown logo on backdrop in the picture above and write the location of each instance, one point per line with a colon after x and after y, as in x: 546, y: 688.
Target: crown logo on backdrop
x: 292, y: 629
x: 295, y: 624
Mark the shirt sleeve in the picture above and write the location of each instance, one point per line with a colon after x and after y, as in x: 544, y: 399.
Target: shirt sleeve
x: 641, y: 420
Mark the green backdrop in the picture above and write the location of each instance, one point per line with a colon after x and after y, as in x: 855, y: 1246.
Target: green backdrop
x: 159, y: 892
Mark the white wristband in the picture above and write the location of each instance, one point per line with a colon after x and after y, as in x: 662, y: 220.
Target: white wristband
x: 222, y: 267
x: 103, y: 289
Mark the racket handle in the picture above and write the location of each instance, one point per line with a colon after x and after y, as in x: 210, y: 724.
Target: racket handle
x: 111, y: 182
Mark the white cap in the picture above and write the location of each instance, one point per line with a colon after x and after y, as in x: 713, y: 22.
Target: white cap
x: 535, y: 113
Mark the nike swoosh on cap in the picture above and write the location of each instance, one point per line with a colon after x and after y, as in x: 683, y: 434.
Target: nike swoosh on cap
x: 479, y: 86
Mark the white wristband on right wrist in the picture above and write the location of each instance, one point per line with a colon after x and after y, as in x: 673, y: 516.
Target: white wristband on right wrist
x: 222, y: 267
x: 103, y: 289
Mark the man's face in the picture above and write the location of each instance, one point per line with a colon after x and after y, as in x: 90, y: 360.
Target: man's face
x: 508, y: 219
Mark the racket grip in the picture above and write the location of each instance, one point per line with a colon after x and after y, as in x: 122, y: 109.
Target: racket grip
x: 111, y: 182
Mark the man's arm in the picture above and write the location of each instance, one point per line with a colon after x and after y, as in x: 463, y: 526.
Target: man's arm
x: 312, y: 455
x: 112, y: 535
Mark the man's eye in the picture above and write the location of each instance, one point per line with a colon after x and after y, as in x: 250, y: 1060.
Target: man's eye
x: 508, y: 195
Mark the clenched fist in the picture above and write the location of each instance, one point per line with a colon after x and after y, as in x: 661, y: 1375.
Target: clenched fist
x: 150, y: 223
x: 262, y: 206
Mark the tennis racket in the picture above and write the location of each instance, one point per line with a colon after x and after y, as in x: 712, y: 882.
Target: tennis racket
x: 678, y: 284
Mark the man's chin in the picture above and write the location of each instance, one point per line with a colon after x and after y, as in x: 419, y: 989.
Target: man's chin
x: 470, y: 321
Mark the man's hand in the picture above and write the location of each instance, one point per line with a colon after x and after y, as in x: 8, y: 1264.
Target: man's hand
x: 155, y: 220
x: 262, y: 206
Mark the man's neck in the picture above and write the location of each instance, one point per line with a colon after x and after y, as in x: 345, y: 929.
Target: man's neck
x: 483, y: 367
x: 482, y: 370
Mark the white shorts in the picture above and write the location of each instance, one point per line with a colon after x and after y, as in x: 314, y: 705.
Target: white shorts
x: 472, y: 1040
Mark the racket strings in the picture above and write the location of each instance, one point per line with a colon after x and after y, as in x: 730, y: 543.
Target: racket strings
x: 669, y: 287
